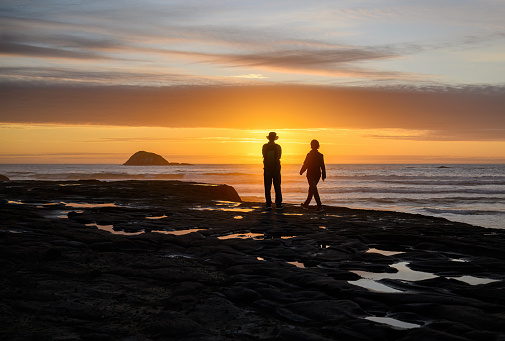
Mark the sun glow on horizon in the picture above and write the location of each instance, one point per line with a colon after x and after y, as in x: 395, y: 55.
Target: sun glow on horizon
x: 113, y: 144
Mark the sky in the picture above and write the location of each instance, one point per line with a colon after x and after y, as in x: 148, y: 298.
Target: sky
x: 390, y: 81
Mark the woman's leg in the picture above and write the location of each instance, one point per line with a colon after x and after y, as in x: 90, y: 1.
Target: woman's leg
x: 316, y: 194
x: 309, y: 195
x: 313, y: 189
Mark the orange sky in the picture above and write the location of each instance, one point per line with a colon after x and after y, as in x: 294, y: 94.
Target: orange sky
x: 204, y: 82
x: 113, y: 144
x: 229, y: 124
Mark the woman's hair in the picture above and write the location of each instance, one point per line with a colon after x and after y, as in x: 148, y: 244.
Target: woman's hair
x: 314, y: 144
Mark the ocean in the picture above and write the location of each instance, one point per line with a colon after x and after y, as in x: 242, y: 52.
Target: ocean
x: 469, y: 193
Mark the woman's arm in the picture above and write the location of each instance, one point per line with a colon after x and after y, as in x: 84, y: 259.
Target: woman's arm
x: 323, y: 168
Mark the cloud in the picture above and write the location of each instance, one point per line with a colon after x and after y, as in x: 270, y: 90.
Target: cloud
x: 449, y: 135
x: 100, y: 32
x: 470, y: 113
x: 27, y: 50
x: 329, y: 62
x: 74, y: 76
x: 218, y: 139
x: 252, y: 76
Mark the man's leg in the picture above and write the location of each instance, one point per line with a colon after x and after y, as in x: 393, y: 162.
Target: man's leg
x: 267, y: 182
x: 277, y: 188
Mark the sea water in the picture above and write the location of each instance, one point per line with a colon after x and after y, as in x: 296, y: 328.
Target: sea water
x: 470, y: 193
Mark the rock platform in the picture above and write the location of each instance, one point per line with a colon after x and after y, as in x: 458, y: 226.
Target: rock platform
x: 169, y: 260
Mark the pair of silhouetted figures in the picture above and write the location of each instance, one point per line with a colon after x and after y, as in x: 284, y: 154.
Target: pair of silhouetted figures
x: 313, y: 164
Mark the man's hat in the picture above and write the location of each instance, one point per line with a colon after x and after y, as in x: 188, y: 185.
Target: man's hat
x: 272, y: 136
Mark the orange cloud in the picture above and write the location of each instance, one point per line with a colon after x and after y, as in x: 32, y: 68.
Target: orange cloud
x: 261, y: 107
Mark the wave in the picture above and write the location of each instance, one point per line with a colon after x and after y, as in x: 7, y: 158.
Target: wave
x: 449, y: 182
x: 428, y: 201
x: 408, y: 178
x: 463, y: 212
x: 229, y: 174
x: 411, y: 190
x: 108, y: 176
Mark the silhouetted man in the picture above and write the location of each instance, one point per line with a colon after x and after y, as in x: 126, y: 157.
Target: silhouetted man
x: 272, y: 171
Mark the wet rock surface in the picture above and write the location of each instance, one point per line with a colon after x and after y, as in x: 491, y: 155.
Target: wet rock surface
x: 167, y: 260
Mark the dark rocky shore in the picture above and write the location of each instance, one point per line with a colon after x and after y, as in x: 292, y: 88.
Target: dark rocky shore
x: 192, y: 263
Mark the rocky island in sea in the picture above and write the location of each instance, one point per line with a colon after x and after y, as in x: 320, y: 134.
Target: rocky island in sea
x: 143, y: 158
x: 172, y: 260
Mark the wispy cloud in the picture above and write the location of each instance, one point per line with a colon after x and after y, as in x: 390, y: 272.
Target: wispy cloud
x: 28, y: 50
x: 198, y: 39
x: 448, y: 135
x: 186, y: 139
x: 337, y: 62
x: 252, y: 76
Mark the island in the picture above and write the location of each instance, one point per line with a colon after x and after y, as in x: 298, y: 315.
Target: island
x: 143, y: 158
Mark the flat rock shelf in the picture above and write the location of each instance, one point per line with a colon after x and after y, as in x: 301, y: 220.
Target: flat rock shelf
x: 170, y: 260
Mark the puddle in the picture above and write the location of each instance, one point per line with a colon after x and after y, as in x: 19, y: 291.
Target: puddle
x: 322, y: 227
x: 15, y: 202
x: 384, y: 252
x: 238, y: 217
x: 275, y: 236
x: 397, y: 324
x: 404, y: 273
x: 374, y: 286
x: 177, y: 233
x: 297, y: 264
x: 227, y: 203
x: 88, y: 205
x: 295, y: 214
x: 52, y: 204
x: 249, y: 235
x: 110, y: 229
x: 323, y: 245
x: 223, y: 209
x: 474, y: 280
x: 460, y: 260
x: 158, y: 217
x: 259, y: 258
x: 15, y: 231
x: 61, y: 214
x: 175, y: 256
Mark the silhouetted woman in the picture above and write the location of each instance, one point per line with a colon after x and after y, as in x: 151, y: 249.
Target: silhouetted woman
x: 314, y: 165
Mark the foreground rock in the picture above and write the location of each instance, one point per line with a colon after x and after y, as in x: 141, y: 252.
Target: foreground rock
x: 3, y: 178
x: 176, y: 273
x: 143, y: 158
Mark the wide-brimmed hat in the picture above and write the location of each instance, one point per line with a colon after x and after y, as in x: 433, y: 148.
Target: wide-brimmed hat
x: 272, y: 136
